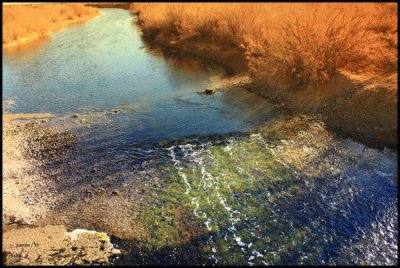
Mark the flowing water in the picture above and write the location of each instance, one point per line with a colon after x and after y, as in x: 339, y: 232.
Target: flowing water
x: 177, y: 177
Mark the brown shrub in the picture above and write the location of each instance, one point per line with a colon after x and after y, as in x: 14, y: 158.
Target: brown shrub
x: 311, y: 41
x: 317, y: 45
x: 20, y: 21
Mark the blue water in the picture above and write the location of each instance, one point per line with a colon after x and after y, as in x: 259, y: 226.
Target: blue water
x: 102, y: 64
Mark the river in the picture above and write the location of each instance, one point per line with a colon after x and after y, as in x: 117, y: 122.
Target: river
x: 187, y: 178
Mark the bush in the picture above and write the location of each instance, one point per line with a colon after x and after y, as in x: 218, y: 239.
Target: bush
x: 20, y: 21
x: 316, y: 45
x: 311, y: 41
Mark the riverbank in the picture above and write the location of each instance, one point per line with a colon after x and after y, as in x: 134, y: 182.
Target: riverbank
x: 29, y: 194
x: 25, y: 24
x: 353, y: 86
x: 53, y: 245
x: 123, y: 5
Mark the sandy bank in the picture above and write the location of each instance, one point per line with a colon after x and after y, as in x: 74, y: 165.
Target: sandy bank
x: 8, y: 117
x: 25, y: 24
x: 360, y: 107
x: 29, y: 194
x: 123, y: 5
x: 53, y: 245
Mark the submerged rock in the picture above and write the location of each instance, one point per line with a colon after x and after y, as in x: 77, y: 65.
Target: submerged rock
x: 207, y: 91
x: 210, y: 91
x: 53, y: 245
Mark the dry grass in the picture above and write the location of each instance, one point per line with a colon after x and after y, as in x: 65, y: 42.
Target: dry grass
x: 311, y: 41
x: 30, y: 21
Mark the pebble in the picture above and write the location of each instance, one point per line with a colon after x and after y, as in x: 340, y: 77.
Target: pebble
x: 115, y: 192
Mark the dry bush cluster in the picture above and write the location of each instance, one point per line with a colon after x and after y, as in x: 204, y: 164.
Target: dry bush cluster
x: 311, y: 41
x: 21, y: 21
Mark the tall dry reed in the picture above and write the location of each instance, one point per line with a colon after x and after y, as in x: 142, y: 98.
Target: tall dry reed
x: 311, y: 41
x: 23, y: 21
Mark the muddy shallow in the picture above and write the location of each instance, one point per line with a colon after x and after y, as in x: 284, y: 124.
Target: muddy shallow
x: 176, y: 177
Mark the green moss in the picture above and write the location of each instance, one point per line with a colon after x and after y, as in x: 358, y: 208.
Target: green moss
x: 102, y: 237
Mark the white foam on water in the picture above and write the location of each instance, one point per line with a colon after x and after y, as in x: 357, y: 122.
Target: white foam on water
x: 222, y: 202
x: 258, y: 254
x: 172, y: 154
x: 256, y: 136
x: 197, y: 206
x: 228, y: 149
x: 239, y: 241
x: 207, y: 223
x: 214, y: 258
x: 183, y: 176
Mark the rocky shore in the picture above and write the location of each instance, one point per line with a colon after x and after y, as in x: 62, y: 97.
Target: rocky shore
x: 53, y: 245
x: 29, y: 194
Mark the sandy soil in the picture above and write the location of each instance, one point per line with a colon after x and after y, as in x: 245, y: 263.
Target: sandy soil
x: 22, y: 179
x: 8, y: 117
x: 53, y: 245
x: 29, y: 195
x: 363, y: 108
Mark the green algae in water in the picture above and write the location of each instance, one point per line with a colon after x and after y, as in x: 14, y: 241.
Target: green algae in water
x: 224, y: 189
x: 247, y: 201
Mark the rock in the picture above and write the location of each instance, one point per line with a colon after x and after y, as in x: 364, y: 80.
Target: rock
x: 74, y: 116
x: 207, y: 91
x: 114, y: 111
x: 115, y: 192
x: 210, y: 91
x: 115, y: 251
x: 53, y: 245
